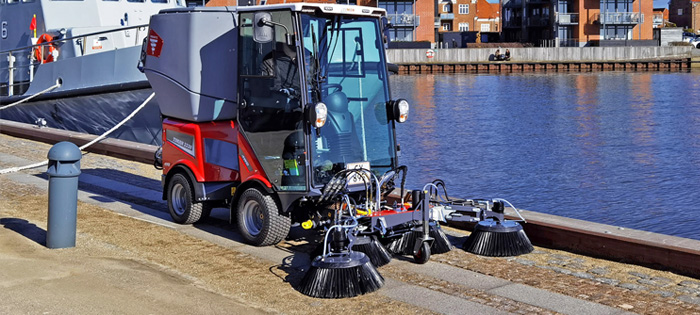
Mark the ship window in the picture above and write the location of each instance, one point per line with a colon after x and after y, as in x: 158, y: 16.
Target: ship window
x: 27, y: 0
x: 159, y: 1
x: 136, y: 1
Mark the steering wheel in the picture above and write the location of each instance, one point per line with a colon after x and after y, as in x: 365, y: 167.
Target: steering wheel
x: 335, y: 86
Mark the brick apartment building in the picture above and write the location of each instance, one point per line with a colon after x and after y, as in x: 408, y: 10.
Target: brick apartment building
x: 685, y: 14
x: 660, y: 17
x: 469, y: 15
x: 410, y: 20
x: 577, y: 22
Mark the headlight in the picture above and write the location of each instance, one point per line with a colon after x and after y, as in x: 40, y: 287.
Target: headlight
x: 320, y: 115
x: 401, y: 110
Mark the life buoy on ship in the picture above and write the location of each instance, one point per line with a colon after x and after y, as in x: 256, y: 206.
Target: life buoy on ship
x: 51, y: 50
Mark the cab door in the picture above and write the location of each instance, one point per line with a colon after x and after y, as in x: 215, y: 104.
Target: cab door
x: 270, y: 108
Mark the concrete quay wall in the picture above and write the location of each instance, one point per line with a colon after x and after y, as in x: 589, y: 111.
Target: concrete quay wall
x: 561, y: 54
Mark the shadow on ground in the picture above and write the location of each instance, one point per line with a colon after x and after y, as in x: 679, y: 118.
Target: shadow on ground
x: 26, y: 229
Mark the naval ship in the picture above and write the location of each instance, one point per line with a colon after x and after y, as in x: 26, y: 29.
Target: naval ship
x: 72, y: 64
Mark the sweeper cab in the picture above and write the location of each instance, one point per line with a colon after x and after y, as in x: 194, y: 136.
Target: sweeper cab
x: 283, y: 114
x: 264, y: 106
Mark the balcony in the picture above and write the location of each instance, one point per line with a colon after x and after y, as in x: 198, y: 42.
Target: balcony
x: 513, y: 23
x: 538, y: 21
x: 447, y: 16
x: 512, y: 3
x: 620, y: 18
x: 567, y: 18
x: 403, y: 19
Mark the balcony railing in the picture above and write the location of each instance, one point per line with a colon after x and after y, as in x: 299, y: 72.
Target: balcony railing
x: 538, y: 21
x: 567, y: 18
x: 447, y: 16
x: 620, y: 18
x: 403, y: 19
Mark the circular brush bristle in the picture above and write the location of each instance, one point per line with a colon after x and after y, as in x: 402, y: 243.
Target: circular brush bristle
x: 341, y: 277
x: 378, y: 255
x: 441, y: 244
x: 498, y: 239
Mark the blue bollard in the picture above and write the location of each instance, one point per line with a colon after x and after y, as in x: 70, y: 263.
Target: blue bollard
x: 64, y: 169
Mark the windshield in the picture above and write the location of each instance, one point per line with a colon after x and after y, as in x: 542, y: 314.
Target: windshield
x: 345, y: 70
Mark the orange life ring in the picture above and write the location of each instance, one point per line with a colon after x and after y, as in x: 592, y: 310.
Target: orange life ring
x: 44, y: 38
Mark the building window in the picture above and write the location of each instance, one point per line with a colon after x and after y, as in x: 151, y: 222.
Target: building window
x: 396, y: 7
x: 680, y: 11
x: 446, y: 27
x: 464, y: 27
x: 447, y: 8
x: 486, y: 27
x: 463, y: 9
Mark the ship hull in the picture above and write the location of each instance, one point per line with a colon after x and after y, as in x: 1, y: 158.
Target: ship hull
x: 95, y: 114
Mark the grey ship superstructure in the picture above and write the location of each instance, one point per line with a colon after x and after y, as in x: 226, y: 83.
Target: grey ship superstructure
x: 94, y: 55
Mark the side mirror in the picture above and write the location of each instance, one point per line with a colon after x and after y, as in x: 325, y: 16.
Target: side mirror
x: 398, y: 110
x: 263, y: 32
x: 316, y: 114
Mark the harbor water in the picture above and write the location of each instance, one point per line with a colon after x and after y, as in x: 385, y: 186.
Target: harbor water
x: 619, y: 148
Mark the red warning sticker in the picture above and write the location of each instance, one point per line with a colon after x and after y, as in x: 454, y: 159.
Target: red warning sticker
x: 155, y: 44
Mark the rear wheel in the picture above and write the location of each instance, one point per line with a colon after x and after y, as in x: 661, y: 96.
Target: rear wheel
x: 183, y: 209
x: 259, y: 219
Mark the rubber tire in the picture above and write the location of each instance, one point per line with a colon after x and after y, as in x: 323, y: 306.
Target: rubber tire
x: 274, y: 226
x: 423, y: 254
x: 191, y: 211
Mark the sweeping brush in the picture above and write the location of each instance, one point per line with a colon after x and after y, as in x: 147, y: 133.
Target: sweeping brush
x: 403, y: 245
x: 441, y: 244
x: 370, y: 246
x: 498, y: 239
x: 347, y: 275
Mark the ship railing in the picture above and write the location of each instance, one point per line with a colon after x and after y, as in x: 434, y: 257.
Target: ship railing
x: 22, y: 62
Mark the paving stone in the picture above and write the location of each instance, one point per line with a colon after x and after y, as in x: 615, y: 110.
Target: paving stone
x: 632, y: 286
x: 691, y: 291
x: 639, y: 275
x: 583, y: 275
x: 688, y: 283
x: 538, y: 252
x: 557, y: 262
x: 557, y: 269
x: 599, y: 271
x: 663, y: 293
x: 608, y: 281
x: 579, y: 260
x: 560, y: 257
x: 525, y: 262
x: 690, y: 299
x: 576, y: 266
x: 650, y: 282
x: 661, y: 279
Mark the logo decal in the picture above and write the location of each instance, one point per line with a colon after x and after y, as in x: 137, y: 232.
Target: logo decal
x: 155, y: 44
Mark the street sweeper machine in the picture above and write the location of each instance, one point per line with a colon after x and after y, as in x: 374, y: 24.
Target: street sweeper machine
x: 283, y: 114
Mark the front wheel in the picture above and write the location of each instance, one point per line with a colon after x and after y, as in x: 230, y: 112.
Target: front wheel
x: 259, y: 219
x: 423, y: 254
x: 183, y: 209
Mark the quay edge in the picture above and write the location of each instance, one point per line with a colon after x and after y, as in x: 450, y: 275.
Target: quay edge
x: 665, y: 252
x: 455, y: 60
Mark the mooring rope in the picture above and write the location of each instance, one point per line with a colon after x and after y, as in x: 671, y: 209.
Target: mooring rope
x: 83, y: 147
x: 58, y: 84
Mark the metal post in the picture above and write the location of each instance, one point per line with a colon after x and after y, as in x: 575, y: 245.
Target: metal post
x: 11, y: 69
x: 64, y: 169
